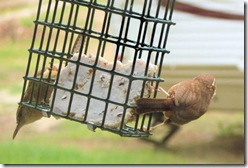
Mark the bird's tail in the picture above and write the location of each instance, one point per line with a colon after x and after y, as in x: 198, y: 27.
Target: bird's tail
x: 149, y: 105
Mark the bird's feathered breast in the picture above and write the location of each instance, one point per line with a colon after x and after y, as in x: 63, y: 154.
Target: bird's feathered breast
x: 191, y: 98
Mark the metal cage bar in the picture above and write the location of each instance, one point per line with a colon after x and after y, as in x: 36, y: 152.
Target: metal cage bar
x: 69, y: 27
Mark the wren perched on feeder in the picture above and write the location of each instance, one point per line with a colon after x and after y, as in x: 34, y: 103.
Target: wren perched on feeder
x: 186, y: 101
x: 35, y: 93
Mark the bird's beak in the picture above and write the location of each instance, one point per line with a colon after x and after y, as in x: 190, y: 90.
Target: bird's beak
x: 213, y: 84
x: 16, y: 130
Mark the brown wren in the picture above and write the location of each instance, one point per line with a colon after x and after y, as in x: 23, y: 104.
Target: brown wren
x: 186, y: 100
x: 36, y: 93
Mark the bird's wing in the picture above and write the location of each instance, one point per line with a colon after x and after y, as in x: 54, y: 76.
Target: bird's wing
x: 185, y: 93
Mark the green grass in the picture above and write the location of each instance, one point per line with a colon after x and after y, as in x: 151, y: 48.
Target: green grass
x: 14, y: 55
x: 33, y: 153
x: 13, y: 58
x: 15, y: 89
x: 72, y: 143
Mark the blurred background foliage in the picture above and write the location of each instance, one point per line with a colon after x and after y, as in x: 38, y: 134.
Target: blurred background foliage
x: 216, y: 138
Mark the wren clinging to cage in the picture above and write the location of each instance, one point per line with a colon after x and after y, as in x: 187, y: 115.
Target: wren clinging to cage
x: 186, y: 101
x: 26, y: 115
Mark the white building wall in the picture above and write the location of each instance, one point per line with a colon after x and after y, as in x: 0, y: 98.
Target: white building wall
x: 198, y: 40
x: 207, y: 41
